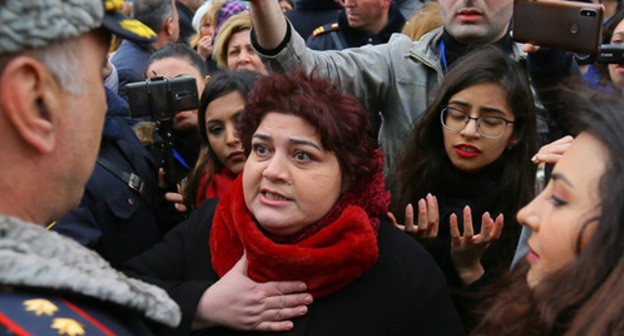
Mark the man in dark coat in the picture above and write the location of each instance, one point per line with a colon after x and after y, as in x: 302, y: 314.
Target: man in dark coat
x: 361, y: 22
x: 310, y: 14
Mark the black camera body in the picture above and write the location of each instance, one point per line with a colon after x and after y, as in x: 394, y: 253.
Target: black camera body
x: 160, y: 98
x: 611, y: 54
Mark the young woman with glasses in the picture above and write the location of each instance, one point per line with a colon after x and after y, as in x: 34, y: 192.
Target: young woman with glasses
x: 467, y: 170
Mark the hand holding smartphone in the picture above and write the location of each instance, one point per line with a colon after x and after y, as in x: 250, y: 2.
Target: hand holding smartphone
x: 567, y: 25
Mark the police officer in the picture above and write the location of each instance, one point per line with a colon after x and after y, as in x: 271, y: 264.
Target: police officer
x: 361, y: 22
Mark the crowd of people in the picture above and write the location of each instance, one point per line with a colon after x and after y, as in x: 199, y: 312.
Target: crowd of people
x: 369, y: 167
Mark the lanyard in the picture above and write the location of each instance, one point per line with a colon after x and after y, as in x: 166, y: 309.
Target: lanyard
x: 443, y: 54
x: 180, y: 159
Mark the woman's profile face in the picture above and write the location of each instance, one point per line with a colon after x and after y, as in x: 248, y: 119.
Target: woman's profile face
x: 221, y: 116
x: 569, y: 201
x: 290, y: 180
x: 468, y: 150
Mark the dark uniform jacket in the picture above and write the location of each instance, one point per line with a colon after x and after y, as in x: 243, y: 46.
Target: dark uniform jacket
x: 307, y: 15
x: 403, y: 293
x: 339, y: 35
x: 130, y: 59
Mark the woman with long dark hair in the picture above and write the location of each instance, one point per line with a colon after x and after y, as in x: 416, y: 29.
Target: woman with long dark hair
x: 468, y: 162
x: 572, y: 280
x: 221, y: 158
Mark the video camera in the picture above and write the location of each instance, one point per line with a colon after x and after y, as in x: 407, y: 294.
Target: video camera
x: 160, y: 98
x: 611, y: 54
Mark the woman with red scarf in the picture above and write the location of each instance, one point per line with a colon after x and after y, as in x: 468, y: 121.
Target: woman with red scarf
x: 221, y: 158
x: 299, y: 243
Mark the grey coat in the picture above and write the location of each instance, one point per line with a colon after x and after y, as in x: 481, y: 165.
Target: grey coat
x: 31, y: 257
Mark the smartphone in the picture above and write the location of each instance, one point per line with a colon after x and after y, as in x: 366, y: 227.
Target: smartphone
x: 611, y: 54
x: 161, y: 98
x: 568, y: 25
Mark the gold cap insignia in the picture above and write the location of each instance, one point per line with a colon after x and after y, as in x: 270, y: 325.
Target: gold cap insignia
x: 40, y: 307
x: 67, y: 326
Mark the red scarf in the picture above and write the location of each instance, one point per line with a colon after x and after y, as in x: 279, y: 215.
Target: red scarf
x: 328, y: 256
x: 220, y: 182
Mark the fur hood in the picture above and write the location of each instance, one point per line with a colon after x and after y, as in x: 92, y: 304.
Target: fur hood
x: 31, y: 256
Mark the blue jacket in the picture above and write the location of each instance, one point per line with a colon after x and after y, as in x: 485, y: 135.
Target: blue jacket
x: 113, y: 219
x: 130, y: 59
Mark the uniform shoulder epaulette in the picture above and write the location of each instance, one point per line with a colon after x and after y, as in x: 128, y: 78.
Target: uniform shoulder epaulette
x: 330, y: 27
x: 24, y: 313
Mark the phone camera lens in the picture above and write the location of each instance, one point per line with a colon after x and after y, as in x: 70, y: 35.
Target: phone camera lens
x: 588, y: 13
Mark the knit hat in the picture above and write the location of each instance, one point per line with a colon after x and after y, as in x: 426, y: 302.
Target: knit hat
x: 199, y: 14
x: 227, y: 10
x: 37, y: 23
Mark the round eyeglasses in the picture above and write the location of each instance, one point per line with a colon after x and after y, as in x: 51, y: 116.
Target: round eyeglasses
x: 488, y: 126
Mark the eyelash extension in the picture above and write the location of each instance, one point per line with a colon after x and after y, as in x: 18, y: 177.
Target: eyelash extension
x: 557, y: 202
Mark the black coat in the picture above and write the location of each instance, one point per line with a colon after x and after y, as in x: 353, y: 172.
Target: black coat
x: 310, y: 14
x: 403, y: 293
x: 455, y: 190
x: 185, y: 21
x: 339, y: 35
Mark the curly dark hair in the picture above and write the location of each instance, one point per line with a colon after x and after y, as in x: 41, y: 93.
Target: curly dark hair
x: 341, y: 121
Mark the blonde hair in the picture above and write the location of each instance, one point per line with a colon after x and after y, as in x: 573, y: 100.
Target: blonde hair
x: 235, y: 24
x: 210, y: 16
x: 423, y: 21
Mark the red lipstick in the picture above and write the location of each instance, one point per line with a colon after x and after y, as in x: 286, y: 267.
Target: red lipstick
x: 467, y: 151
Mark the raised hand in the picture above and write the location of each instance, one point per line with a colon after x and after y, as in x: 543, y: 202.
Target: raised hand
x: 428, y: 219
x: 237, y: 302
x: 204, y: 46
x: 466, y: 250
x: 552, y: 152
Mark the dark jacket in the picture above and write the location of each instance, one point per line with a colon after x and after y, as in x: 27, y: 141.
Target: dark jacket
x: 113, y: 219
x: 186, y: 26
x: 340, y: 35
x: 310, y: 14
x: 403, y: 293
x: 455, y: 190
x: 130, y: 59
